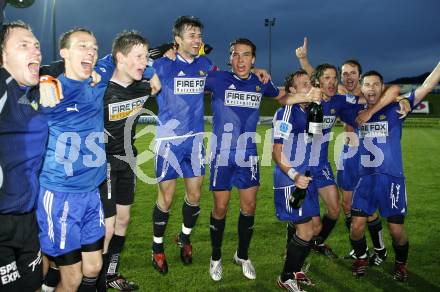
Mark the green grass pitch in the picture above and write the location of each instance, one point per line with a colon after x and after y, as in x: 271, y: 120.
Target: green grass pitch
x: 421, y: 153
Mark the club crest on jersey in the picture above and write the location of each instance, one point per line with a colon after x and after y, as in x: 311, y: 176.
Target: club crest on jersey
x: 189, y: 85
x: 282, y: 129
x: 242, y: 99
x: 257, y: 88
x: 382, y: 117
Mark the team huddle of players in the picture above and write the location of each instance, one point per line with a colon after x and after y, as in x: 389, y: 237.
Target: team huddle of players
x: 67, y: 187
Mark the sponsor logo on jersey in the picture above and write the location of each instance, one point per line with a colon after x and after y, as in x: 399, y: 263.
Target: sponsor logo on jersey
x: 232, y: 86
x: 202, y: 73
x: 189, y: 85
x: 333, y: 111
x: 376, y: 129
x: 180, y: 74
x: 121, y: 110
x: 102, y: 69
x: 382, y: 117
x: 242, y: 99
x: 328, y: 122
x: 282, y: 129
x: 257, y: 88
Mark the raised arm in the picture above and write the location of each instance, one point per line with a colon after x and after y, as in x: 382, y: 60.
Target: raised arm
x: 428, y: 85
x: 301, y: 54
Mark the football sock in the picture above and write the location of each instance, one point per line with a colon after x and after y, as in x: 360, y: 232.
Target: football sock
x: 114, y: 251
x: 297, y: 251
x: 216, y: 229
x: 375, y: 228
x: 290, y: 232
x: 401, y: 252
x: 245, y: 231
x: 160, y: 220
x: 190, y: 213
x: 360, y: 247
x: 88, y: 284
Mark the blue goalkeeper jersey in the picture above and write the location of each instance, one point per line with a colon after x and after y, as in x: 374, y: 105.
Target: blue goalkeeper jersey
x: 75, y: 159
x: 23, y: 137
x: 337, y: 106
x: 236, y: 108
x: 380, y: 141
x: 181, y: 99
x: 289, y: 129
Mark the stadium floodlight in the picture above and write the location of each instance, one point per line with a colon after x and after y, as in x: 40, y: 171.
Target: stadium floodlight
x: 269, y: 23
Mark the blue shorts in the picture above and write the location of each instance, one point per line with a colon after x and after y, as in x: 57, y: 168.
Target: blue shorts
x: 380, y: 191
x: 237, y: 168
x: 180, y: 157
x: 322, y: 175
x: 308, y: 209
x: 348, y: 175
x: 68, y: 221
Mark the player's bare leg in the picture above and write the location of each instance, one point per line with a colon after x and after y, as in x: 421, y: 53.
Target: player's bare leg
x: 330, y: 196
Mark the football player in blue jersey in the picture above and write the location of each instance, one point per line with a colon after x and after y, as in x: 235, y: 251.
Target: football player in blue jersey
x: 180, y: 150
x: 382, y: 183
x: 236, y: 98
x: 291, y: 153
x: 23, y: 137
x: 347, y: 165
x: 69, y: 210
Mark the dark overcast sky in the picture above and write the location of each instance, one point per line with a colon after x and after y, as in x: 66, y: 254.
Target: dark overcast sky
x: 397, y: 37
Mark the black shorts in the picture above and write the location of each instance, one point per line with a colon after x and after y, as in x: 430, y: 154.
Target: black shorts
x: 119, y: 187
x: 20, y: 255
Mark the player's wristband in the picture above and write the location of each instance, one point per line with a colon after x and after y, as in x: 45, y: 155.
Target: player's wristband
x: 292, y: 173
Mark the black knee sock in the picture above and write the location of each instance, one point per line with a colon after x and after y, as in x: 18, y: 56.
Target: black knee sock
x: 216, y: 229
x: 375, y: 228
x: 52, y: 277
x: 88, y: 284
x: 290, y: 232
x: 114, y: 252
x: 160, y: 220
x: 101, y: 282
x: 190, y: 213
x: 327, y: 226
x: 401, y: 252
x: 245, y: 231
x: 348, y: 221
x: 297, y: 251
x: 360, y: 247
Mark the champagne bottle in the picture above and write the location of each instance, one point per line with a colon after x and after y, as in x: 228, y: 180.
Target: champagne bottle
x: 297, y: 197
x: 315, y: 118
